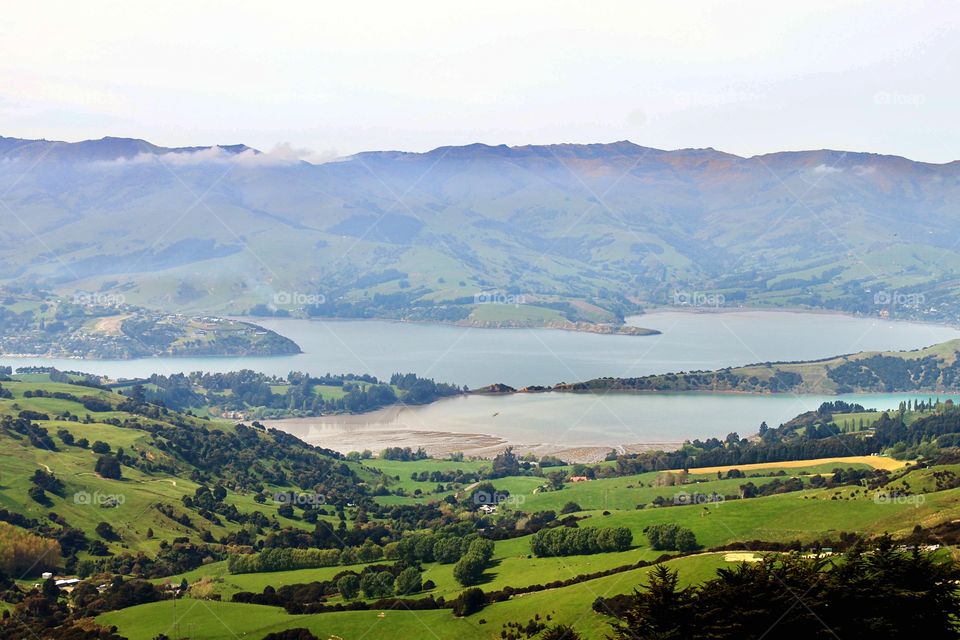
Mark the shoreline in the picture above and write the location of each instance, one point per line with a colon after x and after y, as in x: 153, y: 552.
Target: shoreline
x: 798, y: 310
x: 399, y: 425
x: 350, y: 435
x: 650, y: 311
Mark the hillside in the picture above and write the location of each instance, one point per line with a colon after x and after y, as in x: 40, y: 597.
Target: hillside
x: 92, y: 325
x: 163, y: 518
x: 933, y: 369
x: 484, y: 235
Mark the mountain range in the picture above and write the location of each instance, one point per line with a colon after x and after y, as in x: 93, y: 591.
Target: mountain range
x: 490, y: 235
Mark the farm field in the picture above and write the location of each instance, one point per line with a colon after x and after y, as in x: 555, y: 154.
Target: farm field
x: 182, y: 521
x: 216, y: 620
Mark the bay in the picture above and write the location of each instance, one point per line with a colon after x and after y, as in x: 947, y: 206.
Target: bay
x: 521, y: 357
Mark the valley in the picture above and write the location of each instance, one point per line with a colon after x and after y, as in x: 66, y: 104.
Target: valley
x: 495, y: 321
x: 176, y: 525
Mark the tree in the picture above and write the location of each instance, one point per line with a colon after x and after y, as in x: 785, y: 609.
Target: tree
x: 377, y: 584
x: 570, y: 507
x: 409, y: 581
x: 669, y: 537
x: 22, y: 552
x: 108, y: 467
x: 860, y: 597
x: 349, y: 586
x: 469, y: 569
x: 660, y: 611
x: 686, y: 540
x: 100, y: 447
x: 447, y: 550
x: 555, y: 479
x: 505, y: 463
x: 105, y: 531
x: 469, y: 602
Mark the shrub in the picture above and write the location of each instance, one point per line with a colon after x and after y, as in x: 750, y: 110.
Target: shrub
x: 100, y: 447
x: 349, y: 586
x: 469, y: 569
x: 570, y: 507
x: 671, y: 537
x: 566, y: 541
x: 469, y: 602
x: 409, y: 581
x: 108, y: 467
x: 377, y: 585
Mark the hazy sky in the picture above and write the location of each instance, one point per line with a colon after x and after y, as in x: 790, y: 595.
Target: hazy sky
x: 336, y: 78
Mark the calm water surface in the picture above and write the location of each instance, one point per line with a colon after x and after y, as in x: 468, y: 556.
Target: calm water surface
x: 569, y: 420
x: 520, y: 357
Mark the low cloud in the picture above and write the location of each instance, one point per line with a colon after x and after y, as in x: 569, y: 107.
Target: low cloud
x: 287, y: 152
x: 822, y: 168
x: 281, y: 154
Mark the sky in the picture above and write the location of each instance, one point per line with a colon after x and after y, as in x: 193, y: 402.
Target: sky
x: 325, y: 79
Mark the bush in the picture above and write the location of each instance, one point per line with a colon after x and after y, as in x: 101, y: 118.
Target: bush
x: 469, y: 602
x: 349, y: 586
x: 105, y: 531
x: 570, y: 507
x: 671, y: 537
x: 565, y: 541
x: 409, y: 581
x: 100, y: 447
x: 291, y: 634
x: 469, y: 569
x: 108, y: 467
x: 377, y: 585
x: 38, y: 495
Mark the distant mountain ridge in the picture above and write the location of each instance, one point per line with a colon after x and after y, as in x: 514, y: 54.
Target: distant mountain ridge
x: 107, y: 148
x: 573, y: 232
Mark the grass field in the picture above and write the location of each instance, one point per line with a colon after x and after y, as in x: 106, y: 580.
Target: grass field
x: 807, y: 516
x: 877, y: 462
x: 206, y: 620
x: 85, y: 492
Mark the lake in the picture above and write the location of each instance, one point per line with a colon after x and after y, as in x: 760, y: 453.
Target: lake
x: 521, y: 357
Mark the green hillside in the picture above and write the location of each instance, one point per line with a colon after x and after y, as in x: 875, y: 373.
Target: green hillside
x: 932, y: 369
x: 551, y: 235
x: 198, y: 528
